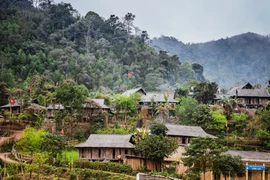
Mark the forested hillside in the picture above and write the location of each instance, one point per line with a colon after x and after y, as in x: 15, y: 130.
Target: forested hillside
x: 111, y: 54
x: 242, y: 58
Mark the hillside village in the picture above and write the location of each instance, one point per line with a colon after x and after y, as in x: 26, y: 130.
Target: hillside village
x: 87, y: 97
x: 112, y: 129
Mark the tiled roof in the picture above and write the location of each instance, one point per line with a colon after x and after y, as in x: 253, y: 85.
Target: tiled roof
x: 158, y: 97
x: 107, y: 141
x: 189, y: 131
x: 11, y: 105
x: 132, y: 91
x: 56, y: 106
x: 250, y: 155
x: 100, y: 103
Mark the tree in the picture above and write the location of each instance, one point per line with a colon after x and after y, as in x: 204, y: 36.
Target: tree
x: 54, y: 144
x: 205, y: 92
x: 158, y: 128
x: 185, y: 110
x: 180, y: 92
x: 201, y: 153
x: 219, y: 121
x: 32, y: 140
x: 229, y: 166
x: 70, y: 94
x: 156, y: 148
x: 202, y: 116
x: 128, y: 21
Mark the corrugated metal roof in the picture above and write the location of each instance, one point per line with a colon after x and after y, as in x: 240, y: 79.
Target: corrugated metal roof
x: 189, y: 131
x: 250, y: 155
x: 108, y: 141
x: 158, y: 97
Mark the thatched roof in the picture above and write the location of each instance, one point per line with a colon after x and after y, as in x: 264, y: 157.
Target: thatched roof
x: 250, y: 155
x: 107, y: 141
x: 189, y: 131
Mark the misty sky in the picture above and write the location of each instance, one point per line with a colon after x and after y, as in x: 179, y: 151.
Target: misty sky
x: 187, y: 20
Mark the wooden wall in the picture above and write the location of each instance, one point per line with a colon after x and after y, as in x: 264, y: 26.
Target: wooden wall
x: 139, y: 162
x: 104, y: 153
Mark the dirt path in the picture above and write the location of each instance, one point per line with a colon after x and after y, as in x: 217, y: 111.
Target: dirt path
x: 14, y: 137
x: 4, y: 157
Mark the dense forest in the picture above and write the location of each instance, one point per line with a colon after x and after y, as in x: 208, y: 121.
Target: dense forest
x: 53, y: 41
x: 239, y: 59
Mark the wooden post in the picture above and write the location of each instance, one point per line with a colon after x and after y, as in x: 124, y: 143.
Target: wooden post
x: 246, y: 172
x: 263, y: 175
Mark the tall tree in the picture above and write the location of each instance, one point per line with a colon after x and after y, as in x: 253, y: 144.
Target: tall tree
x: 201, y: 153
x: 205, y: 92
x: 156, y: 148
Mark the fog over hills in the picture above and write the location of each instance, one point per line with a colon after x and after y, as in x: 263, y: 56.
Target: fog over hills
x: 237, y: 59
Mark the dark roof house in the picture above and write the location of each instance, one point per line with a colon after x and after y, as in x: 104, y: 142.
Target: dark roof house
x: 187, y: 131
x: 249, y: 96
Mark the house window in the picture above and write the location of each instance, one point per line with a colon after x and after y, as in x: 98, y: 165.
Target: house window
x: 99, y: 153
x: 126, y: 151
x: 184, y: 140
x: 82, y: 155
x: 113, y: 153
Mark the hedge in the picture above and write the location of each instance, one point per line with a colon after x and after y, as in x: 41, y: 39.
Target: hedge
x: 85, y: 174
x: 104, y: 166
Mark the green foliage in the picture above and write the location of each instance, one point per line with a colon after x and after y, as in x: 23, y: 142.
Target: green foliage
x: 229, y: 166
x: 205, y: 92
x: 140, y: 134
x: 238, y: 121
x: 70, y: 94
x: 156, y: 148
x: 32, y: 140
x: 126, y: 104
x: 224, y: 59
x: 97, y: 174
x: 180, y: 92
x: 51, y: 40
x: 219, y: 121
x: 115, y: 130
x: 54, y: 144
x: 202, y: 116
x: 200, y: 154
x: 158, y: 128
x: 104, y: 166
x: 185, y: 109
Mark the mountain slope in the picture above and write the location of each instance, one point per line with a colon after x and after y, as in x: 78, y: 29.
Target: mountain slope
x: 241, y: 58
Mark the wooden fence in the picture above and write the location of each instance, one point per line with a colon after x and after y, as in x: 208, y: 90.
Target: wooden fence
x: 21, y: 157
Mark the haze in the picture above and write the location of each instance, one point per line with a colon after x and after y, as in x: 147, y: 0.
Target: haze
x: 187, y: 20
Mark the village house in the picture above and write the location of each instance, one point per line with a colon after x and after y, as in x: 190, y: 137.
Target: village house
x: 249, y: 96
x: 151, y: 102
x: 106, y: 147
x: 14, y: 108
x: 183, y: 134
x: 257, y: 166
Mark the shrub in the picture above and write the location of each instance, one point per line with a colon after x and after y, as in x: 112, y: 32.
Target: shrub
x: 104, y: 166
